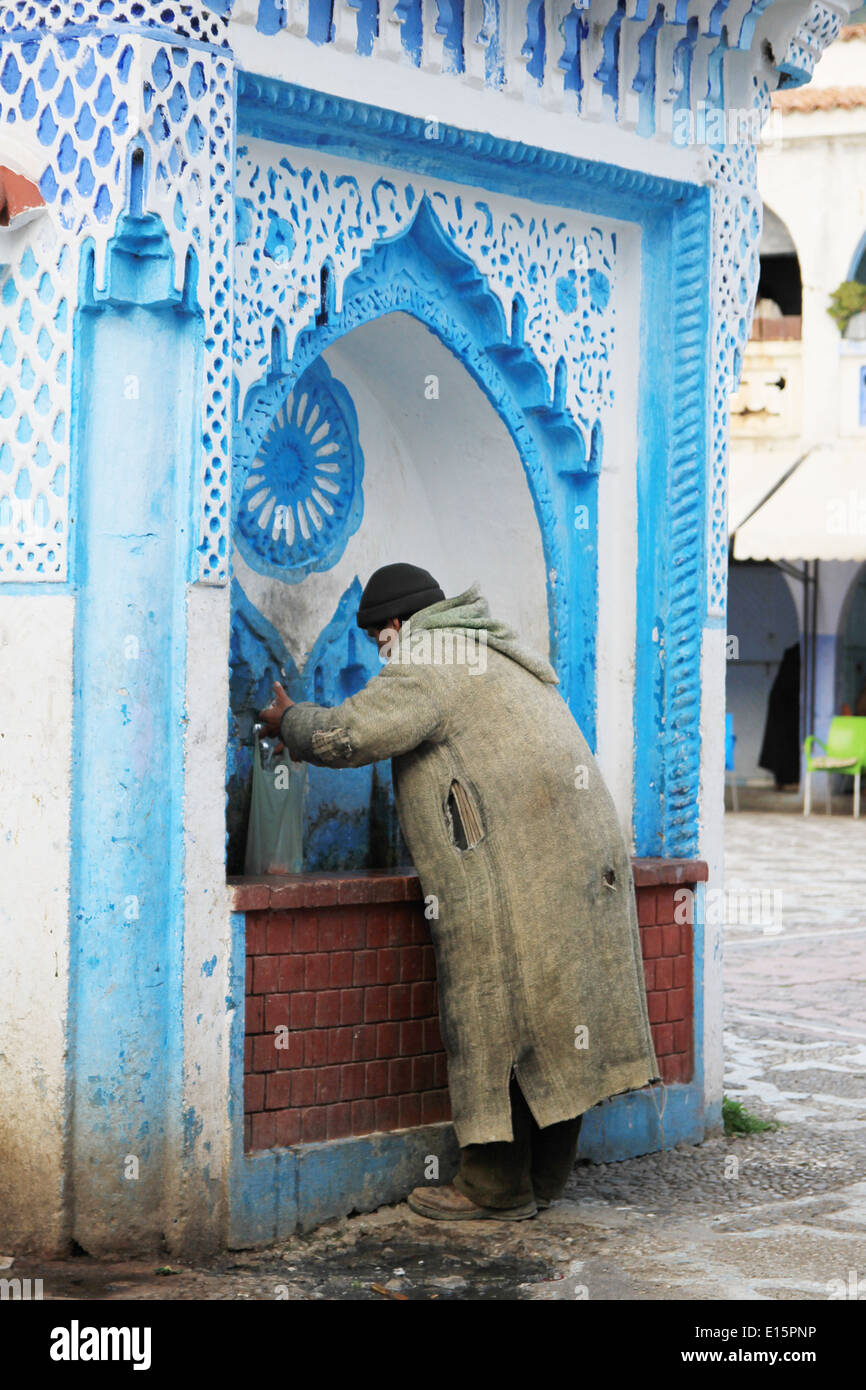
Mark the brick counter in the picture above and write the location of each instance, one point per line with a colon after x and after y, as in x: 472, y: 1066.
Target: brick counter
x: 339, y: 967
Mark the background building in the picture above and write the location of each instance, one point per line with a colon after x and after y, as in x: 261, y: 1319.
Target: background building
x: 798, y: 422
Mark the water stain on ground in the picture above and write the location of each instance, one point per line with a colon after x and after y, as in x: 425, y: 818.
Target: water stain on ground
x: 409, y: 1266
x: 348, y: 1262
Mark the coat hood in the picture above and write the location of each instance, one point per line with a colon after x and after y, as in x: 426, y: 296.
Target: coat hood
x: 471, y: 610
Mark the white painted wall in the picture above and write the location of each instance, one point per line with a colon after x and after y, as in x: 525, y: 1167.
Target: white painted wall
x: 196, y: 1189
x: 617, y: 545
x: 711, y: 848
x: 841, y: 64
x: 35, y: 752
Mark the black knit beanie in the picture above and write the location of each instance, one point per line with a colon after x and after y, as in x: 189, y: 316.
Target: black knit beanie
x: 397, y: 591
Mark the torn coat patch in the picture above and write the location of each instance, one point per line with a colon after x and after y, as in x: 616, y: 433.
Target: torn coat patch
x: 331, y: 745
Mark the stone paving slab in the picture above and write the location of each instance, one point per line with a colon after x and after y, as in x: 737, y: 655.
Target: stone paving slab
x: 817, y: 863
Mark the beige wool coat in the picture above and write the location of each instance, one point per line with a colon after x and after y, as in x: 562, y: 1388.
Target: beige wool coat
x: 511, y: 827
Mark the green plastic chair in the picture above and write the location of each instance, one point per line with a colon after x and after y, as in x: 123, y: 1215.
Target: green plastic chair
x: 844, y: 753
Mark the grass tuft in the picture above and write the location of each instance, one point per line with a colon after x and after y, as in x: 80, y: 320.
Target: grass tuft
x: 739, y: 1121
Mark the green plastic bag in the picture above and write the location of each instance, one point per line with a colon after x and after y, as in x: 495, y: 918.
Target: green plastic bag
x: 275, y: 843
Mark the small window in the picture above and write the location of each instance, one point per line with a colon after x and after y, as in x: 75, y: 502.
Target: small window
x: 463, y: 818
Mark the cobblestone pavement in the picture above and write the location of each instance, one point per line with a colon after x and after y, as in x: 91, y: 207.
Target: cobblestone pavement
x: 778, y: 1215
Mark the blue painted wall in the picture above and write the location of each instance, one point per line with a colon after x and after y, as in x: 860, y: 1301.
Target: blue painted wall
x: 349, y: 817
x: 137, y: 356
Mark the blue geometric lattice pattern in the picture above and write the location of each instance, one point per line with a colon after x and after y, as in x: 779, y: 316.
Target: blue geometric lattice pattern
x: 737, y: 221
x: 188, y: 19
x: 298, y: 475
x: 75, y: 106
x: 553, y: 274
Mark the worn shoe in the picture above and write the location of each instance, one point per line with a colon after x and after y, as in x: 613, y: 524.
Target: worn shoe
x: 448, y: 1204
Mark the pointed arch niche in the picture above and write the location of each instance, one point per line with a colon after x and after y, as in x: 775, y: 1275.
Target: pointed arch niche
x: 461, y: 459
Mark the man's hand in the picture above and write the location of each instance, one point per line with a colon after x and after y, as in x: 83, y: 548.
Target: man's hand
x: 271, y: 717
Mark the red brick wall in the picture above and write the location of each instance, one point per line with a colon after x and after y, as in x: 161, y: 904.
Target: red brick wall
x: 668, y: 956
x: 355, y: 983
x: 344, y: 962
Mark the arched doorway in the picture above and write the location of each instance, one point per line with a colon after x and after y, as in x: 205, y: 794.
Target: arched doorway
x: 762, y: 623
x: 851, y: 667
x: 779, y: 302
x: 858, y: 263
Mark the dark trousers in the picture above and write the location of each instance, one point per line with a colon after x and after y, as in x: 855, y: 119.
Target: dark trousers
x: 537, y: 1162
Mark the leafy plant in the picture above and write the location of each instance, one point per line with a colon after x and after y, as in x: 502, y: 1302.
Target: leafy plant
x: 739, y: 1121
x: 846, y: 301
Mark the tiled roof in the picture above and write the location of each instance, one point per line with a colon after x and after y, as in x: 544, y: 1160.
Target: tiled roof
x: 17, y: 195
x: 820, y: 98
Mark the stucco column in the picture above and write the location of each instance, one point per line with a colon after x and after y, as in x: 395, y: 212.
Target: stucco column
x: 117, y: 357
